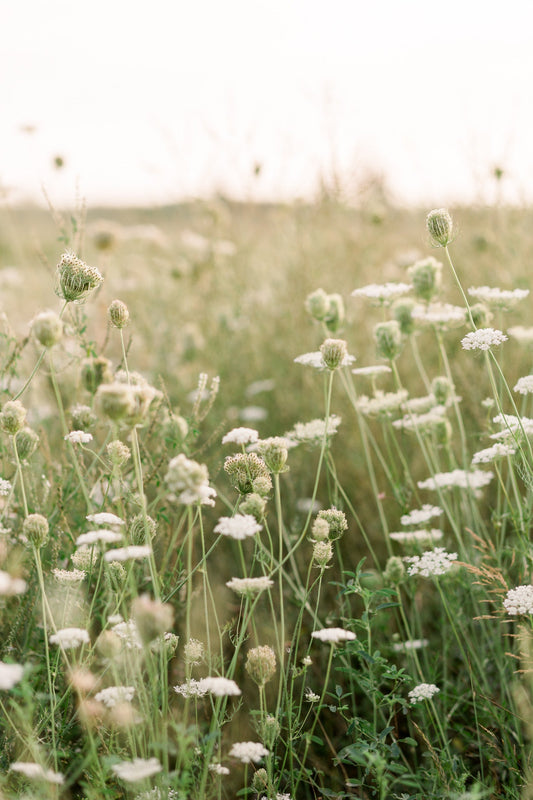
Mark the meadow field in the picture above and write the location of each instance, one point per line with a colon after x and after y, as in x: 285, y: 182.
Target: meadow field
x: 266, y: 497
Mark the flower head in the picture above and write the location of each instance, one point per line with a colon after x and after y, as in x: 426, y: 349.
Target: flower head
x: 220, y: 687
x: 241, y: 436
x: 75, y: 279
x: 113, y: 695
x: 238, y: 527
x: 424, y: 691
x: 433, y: 562
x: 78, y: 437
x: 248, y: 752
x: 10, y: 675
x: 69, y: 638
x: 483, y: 339
x: 440, y: 226
x: 137, y: 770
x: 250, y: 586
x: 333, y: 635
x: 37, y: 772
x: 519, y: 600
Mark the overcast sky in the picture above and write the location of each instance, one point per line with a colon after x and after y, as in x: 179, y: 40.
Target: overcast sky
x: 156, y: 101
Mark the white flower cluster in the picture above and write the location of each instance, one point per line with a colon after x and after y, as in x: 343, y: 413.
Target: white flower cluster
x: 10, y: 675
x: 128, y: 633
x: 371, y: 372
x: 519, y: 600
x: 10, y: 586
x: 238, y: 527
x: 68, y: 575
x: 313, y: 432
x: 498, y: 450
x: 5, y: 487
x: 424, y: 691
x: 132, y: 551
x: 381, y: 403
x: 316, y: 360
x: 433, y: 562
x: 483, y: 339
x: 333, y: 635
x: 113, y: 695
x: 417, y: 537
x: 421, y: 515
x: 69, y: 638
x: 382, y: 292
x: 241, y: 436
x: 101, y: 535
x: 250, y: 586
x: 410, y: 644
x: 521, y: 334
x: 512, y: 426
x: 247, y: 752
x: 504, y: 298
x: 137, y: 770
x: 78, y: 437
x: 416, y: 421
x: 104, y: 518
x: 439, y: 314
x: 191, y: 688
x: 524, y: 385
x: 37, y: 772
x: 462, y: 479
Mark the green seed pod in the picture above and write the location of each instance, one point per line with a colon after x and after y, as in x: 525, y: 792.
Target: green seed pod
x: 116, y: 400
x: 335, y: 314
x: 402, y: 311
x: 426, y: 276
x: 317, y: 304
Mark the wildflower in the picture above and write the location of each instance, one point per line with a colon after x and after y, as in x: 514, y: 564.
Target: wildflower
x: 440, y: 226
x: 142, y: 530
x: 313, y: 432
x: 254, y: 504
x: 433, y: 562
x: 118, y: 453
x: 311, y: 697
x: 68, y: 576
x: 5, y: 487
x: 483, y: 339
x: 152, y: 617
x: 189, y: 481
x: 193, y: 652
x: 75, y: 279
x: 421, y: 422
x: 250, y: 586
x: 442, y: 389
x: 26, y: 442
x: 320, y: 529
x: 218, y: 769
x: 118, y: 314
x: 402, y: 312
x: 316, y: 360
x: 388, y: 339
x: 307, y: 661
x: 128, y: 553
x: 261, y: 664
x: 69, y: 638
x: 116, y: 400
x: 417, y: 537
x: 424, y: 691
x: 10, y: 675
x: 94, y: 372
x: 481, y: 315
x: 426, y: 276
x: 35, y: 529
x: 317, y: 304
x: 101, y: 535
x: 440, y: 315
x: 334, y: 352
x: 501, y: 298
x: 524, y: 385
x: 460, y: 478
x: 137, y: 770
x: 220, y: 687
x: 12, y: 417
x: 521, y: 334
x: 410, y: 644
x: 336, y: 520
x: 248, y: 752
x: 191, y: 688
x: 47, y: 328
x: 335, y: 313
x: 78, y: 437
x: 128, y: 633
x: 104, y: 518
x: 322, y: 553
x: 84, y: 557
x: 115, y: 694
x: 498, y: 450
x: 371, y: 372
x: 274, y: 452
x: 381, y: 403
x: 394, y: 572
x: 241, y: 436
x: 382, y: 293
x: 333, y: 635
x: 37, y: 772
x: 238, y: 527
x: 420, y: 515
x: 519, y: 600
x: 82, y: 417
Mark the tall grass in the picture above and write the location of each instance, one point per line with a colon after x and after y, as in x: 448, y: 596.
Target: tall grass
x: 337, y: 607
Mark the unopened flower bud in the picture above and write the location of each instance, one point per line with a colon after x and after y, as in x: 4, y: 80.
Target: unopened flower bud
x: 334, y: 351
x: 336, y: 520
x: 388, y: 339
x: 152, y: 617
x: 262, y: 485
x: 253, y: 504
x: 108, y: 644
x: 274, y: 453
x: 442, y: 389
x: 260, y: 783
x: 322, y: 553
x: 35, y: 529
x: 12, y: 417
x: 83, y: 418
x: 481, y: 315
x: 115, y: 573
x: 394, y: 572
x: 261, y: 664
x: 335, y: 314
x: 118, y: 314
x: 116, y: 400
x: 426, y: 278
x: 94, y: 372
x: 270, y: 730
x: 402, y: 311
x: 142, y: 529
x: 440, y: 226
x: 317, y: 304
x: 75, y: 279
x: 47, y: 328
x: 26, y: 442
x: 442, y: 431
x: 118, y: 453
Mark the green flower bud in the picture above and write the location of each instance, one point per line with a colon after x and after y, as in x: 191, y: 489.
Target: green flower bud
x: 394, y: 571
x: 118, y: 314
x: 261, y: 664
x: 75, y: 279
x: 26, y: 442
x: 426, y: 278
x: 440, y: 226
x: 94, y: 372
x: 388, y: 339
x: 12, y: 417
x: 334, y: 351
x: 317, y: 304
x: 35, y: 529
x: 47, y: 328
x: 402, y: 311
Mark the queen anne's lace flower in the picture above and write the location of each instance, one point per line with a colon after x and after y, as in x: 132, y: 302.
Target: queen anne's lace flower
x: 104, y: 518
x: 115, y: 694
x: 101, y: 535
x: 382, y: 292
x: 68, y: 575
x: 333, y: 635
x: 68, y: 638
x: 498, y: 450
x: 241, y: 436
x: 503, y: 298
x: 219, y: 686
x: 128, y: 553
x: 483, y: 339
x: 433, y: 562
x: 424, y: 691
x: 10, y: 675
x: 250, y: 586
x: 524, y: 385
x: 475, y: 479
x: 521, y: 334
x: 417, y: 537
x: 512, y: 426
x: 316, y: 360
x: 37, y: 772
x: 381, y: 403
x: 5, y: 487
x: 410, y: 644
x: 248, y: 751
x: 519, y: 600
x: 79, y: 437
x: 421, y: 515
x: 137, y: 770
x: 238, y: 527
x: 371, y: 372
x: 10, y: 586
x: 439, y: 314
x: 191, y: 688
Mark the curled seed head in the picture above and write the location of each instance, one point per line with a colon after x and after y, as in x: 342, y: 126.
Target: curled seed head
x: 12, y: 417
x: 394, y: 571
x: 118, y: 314
x: 75, y: 279
x: 35, y: 529
x: 47, y: 328
x: 261, y: 664
x: 388, y: 339
x: 26, y: 443
x: 440, y: 226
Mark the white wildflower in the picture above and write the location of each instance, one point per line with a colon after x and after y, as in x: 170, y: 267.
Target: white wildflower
x: 382, y: 292
x: 68, y: 575
x: 241, y: 436
x: 439, y: 314
x: 313, y: 432
x: 137, y: 770
x: 10, y: 586
x: 311, y: 697
x: 129, y: 634
x: 104, y: 518
x: 69, y: 638
x: 112, y: 695
x: 132, y: 551
x: 421, y: 515
x: 381, y: 402
x: 424, y: 691
x: 10, y: 675
x: 483, y: 339
x: 316, y: 360
x: 333, y: 635
x: 191, y: 688
x: 433, y: 562
x: 417, y: 537
x: 250, y: 586
x: 37, y: 772
x: 497, y: 450
x: 511, y: 426
x: 377, y: 369
x: 418, y: 405
x: 218, y: 769
x: 253, y: 414
x: 410, y: 644
x: 521, y: 334
x: 238, y: 527
x: 475, y: 479
x: 84, y: 557
x: 189, y: 480
x: 416, y: 421
x: 78, y: 437
x: 501, y: 298
x: 524, y: 385
x: 248, y: 751
x: 519, y: 600
x: 101, y: 535
x: 5, y: 487
x: 220, y: 687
